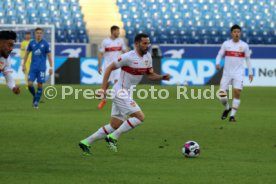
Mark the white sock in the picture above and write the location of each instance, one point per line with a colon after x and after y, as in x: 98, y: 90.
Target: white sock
x: 99, y: 134
x: 126, y: 126
x: 224, y: 101
x: 235, y: 106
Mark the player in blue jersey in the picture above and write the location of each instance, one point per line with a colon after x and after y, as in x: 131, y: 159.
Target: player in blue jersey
x: 40, y: 50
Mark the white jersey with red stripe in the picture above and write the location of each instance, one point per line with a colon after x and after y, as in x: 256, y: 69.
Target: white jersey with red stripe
x: 235, y: 55
x: 133, y: 67
x: 112, y: 50
x: 5, y: 68
x: 5, y: 65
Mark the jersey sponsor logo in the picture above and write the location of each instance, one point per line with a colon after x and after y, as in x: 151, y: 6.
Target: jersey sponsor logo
x: 120, y: 59
x: 136, y: 71
x: 37, y: 52
x: 113, y: 49
x: 235, y: 54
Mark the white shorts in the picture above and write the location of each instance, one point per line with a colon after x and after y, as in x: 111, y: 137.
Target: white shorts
x: 123, y: 107
x: 115, y: 74
x: 236, y: 82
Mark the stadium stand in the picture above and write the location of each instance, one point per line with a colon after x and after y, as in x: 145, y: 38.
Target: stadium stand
x: 65, y: 15
x: 199, y: 21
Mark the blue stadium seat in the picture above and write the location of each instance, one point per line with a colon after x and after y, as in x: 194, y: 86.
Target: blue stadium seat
x: 65, y: 15
x: 199, y: 21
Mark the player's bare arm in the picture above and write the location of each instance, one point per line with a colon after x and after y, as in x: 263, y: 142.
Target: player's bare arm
x: 250, y: 70
x: 25, y: 61
x: 50, y: 63
x: 107, y: 73
x: 217, y: 66
x: 154, y: 76
x: 11, y: 84
x: 100, y: 57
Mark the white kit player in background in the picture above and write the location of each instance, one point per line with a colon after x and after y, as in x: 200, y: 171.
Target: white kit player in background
x: 7, y: 40
x: 236, y: 52
x: 111, y: 49
x: 126, y: 113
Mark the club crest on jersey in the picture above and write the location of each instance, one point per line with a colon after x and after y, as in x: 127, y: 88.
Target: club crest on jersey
x: 120, y: 59
x: 241, y: 49
x: 133, y: 104
x: 146, y: 62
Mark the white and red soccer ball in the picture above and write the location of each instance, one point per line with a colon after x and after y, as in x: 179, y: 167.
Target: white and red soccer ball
x: 191, y: 149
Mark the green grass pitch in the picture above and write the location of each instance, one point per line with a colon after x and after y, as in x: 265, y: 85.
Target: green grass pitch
x: 40, y: 145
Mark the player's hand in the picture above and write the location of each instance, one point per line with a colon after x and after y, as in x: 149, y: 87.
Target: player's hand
x: 50, y: 71
x: 166, y: 76
x: 24, y: 68
x: 250, y: 78
x: 218, y: 66
x: 100, y: 94
x: 16, y: 90
x: 100, y: 70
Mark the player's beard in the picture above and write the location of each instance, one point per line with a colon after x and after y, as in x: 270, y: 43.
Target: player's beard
x: 5, y: 54
x: 144, y: 51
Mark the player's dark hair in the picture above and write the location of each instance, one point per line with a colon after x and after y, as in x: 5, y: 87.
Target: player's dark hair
x: 113, y: 28
x: 38, y: 29
x: 7, y: 35
x: 139, y: 36
x: 235, y: 27
x: 27, y: 33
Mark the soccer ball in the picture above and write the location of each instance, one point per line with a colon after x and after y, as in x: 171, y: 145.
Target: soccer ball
x: 191, y: 149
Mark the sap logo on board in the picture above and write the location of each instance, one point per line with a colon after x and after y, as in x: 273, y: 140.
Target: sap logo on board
x: 185, y: 71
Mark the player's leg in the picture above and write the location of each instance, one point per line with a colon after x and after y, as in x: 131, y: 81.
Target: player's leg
x: 31, y: 79
x: 28, y: 64
x: 101, y: 133
x: 237, y: 85
x: 134, y: 120
x: 116, y: 121
x: 38, y: 94
x: 127, y: 107
x: 224, y: 86
x: 40, y: 81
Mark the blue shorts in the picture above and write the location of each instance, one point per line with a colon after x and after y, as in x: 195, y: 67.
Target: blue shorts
x: 37, y: 75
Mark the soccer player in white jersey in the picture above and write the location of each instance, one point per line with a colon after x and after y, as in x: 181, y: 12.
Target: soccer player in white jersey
x: 236, y: 52
x: 7, y: 39
x: 111, y: 49
x: 126, y: 113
